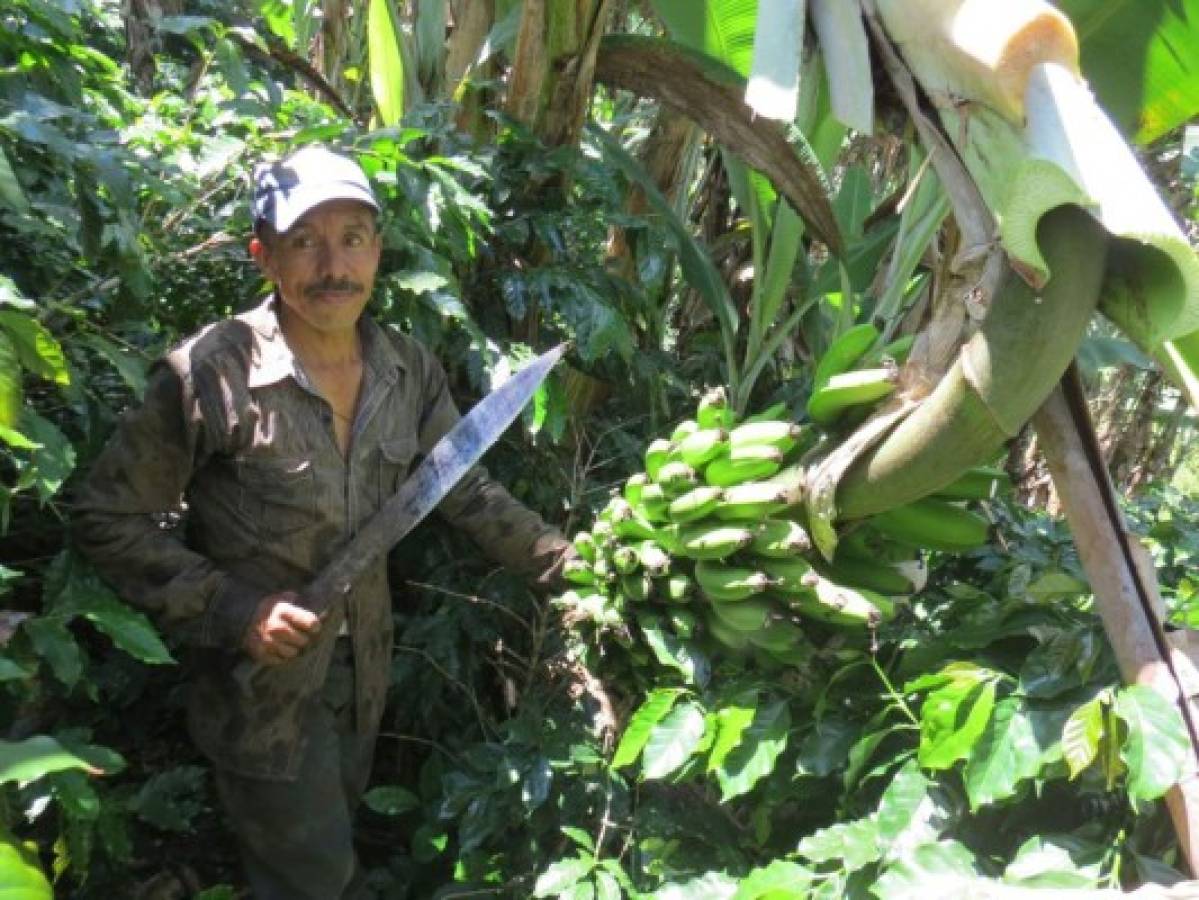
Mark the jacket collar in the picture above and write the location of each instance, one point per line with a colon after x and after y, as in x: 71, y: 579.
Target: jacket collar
x: 271, y: 359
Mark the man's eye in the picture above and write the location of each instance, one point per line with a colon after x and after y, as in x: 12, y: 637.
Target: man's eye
x: 302, y: 241
x: 354, y: 240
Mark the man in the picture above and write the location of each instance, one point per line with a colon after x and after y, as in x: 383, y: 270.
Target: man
x: 285, y: 428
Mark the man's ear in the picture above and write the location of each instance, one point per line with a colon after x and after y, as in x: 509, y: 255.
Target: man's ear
x: 261, y: 255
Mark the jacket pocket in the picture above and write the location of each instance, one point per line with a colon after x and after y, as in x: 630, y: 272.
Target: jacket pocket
x: 395, y: 461
x: 278, y: 494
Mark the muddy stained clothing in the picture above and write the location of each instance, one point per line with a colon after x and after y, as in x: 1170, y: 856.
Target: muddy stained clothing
x: 231, y: 423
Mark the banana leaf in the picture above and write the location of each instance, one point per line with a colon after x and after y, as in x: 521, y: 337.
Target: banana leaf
x: 723, y: 29
x: 1142, y: 60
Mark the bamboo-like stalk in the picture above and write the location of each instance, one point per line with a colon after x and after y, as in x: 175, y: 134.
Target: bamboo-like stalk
x: 1120, y: 574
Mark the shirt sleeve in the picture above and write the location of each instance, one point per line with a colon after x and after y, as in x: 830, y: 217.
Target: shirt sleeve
x: 507, y: 531
x: 124, y: 503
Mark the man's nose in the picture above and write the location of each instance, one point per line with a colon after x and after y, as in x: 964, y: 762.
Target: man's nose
x: 331, y: 258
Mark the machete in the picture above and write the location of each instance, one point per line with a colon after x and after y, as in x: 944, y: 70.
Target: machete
x: 458, y: 450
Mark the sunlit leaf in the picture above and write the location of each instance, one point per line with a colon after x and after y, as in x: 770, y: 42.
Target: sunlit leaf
x: 21, y: 873
x: 673, y: 740
x: 675, y: 653
x: 32, y: 758
x: 36, y: 347
x: 1157, y: 744
x: 1081, y: 736
x: 11, y: 393
x: 776, y: 881
x: 851, y: 845
x: 773, y: 88
x: 723, y: 29
x: 561, y: 876
x: 386, y: 62
x: 637, y: 732
x: 731, y: 723
x: 757, y: 754
x: 1044, y: 863
x: 1006, y: 754
x: 952, y: 719
x: 909, y: 878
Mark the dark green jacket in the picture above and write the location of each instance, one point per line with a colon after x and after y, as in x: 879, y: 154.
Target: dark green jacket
x: 231, y: 425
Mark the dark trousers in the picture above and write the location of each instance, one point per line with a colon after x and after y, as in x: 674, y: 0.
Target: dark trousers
x: 296, y: 837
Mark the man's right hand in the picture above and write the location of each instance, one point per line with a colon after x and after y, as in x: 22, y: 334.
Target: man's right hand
x: 280, y: 629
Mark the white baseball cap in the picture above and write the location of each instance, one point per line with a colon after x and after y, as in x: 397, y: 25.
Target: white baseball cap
x: 285, y: 190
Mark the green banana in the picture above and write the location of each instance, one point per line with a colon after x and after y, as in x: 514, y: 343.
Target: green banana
x: 683, y: 429
x: 779, y: 635
x: 799, y: 655
x: 713, y: 410
x: 601, y: 532
x: 726, y: 471
x: 707, y: 541
x: 780, y: 538
x: 634, y: 486
x: 934, y: 524
x: 676, y: 478
x: 584, y: 545
x: 653, y: 503
x: 731, y: 638
x: 603, y: 569
x: 617, y: 510
x: 752, y: 501
x: 695, y: 504
x: 791, y: 574
x: 836, y: 604
x: 849, y: 389
x: 656, y: 456
x: 844, y: 352
x: 578, y: 571
x: 653, y: 558
x: 977, y: 483
x: 865, y: 542
x: 773, y: 411
x: 778, y: 433
x: 701, y: 446
x: 677, y: 588
x: 635, y: 528
x: 886, y: 578
x: 746, y: 616
x: 726, y: 583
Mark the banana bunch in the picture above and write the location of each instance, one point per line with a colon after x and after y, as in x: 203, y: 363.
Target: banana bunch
x: 707, y: 542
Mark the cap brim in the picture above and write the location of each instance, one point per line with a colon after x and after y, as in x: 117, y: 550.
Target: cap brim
x: 298, y: 201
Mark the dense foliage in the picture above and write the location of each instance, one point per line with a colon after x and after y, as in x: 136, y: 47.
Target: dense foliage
x: 982, y: 733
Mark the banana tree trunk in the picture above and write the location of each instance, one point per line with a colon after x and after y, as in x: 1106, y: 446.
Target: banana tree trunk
x: 1121, y: 576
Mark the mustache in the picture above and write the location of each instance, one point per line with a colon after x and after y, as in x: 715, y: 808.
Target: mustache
x: 333, y: 285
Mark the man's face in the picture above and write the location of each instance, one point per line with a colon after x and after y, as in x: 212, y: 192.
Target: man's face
x: 324, y: 266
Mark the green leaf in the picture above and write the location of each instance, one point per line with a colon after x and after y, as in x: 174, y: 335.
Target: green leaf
x: 723, y: 29
x: 651, y: 712
x: 129, y: 366
x: 37, y: 348
x: 21, y: 876
x: 952, y: 719
x: 710, y: 886
x: 731, y: 723
x: 53, y: 455
x: 1157, y: 744
x: 390, y: 800
x: 909, y: 878
x: 386, y: 62
x: 420, y: 282
x: 86, y: 595
x: 697, y: 266
x: 778, y: 881
x: 11, y: 296
x: 758, y: 752
x: 1006, y: 754
x: 1081, y: 736
x: 580, y: 837
x: 607, y: 887
x: 673, y: 740
x: 674, y: 653
x: 912, y: 811
x: 11, y: 193
x: 11, y: 394
x: 1043, y: 863
x: 562, y: 876
x: 32, y: 758
x: 55, y: 644
x: 1141, y: 58
x: 852, y: 845
x: 853, y: 202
